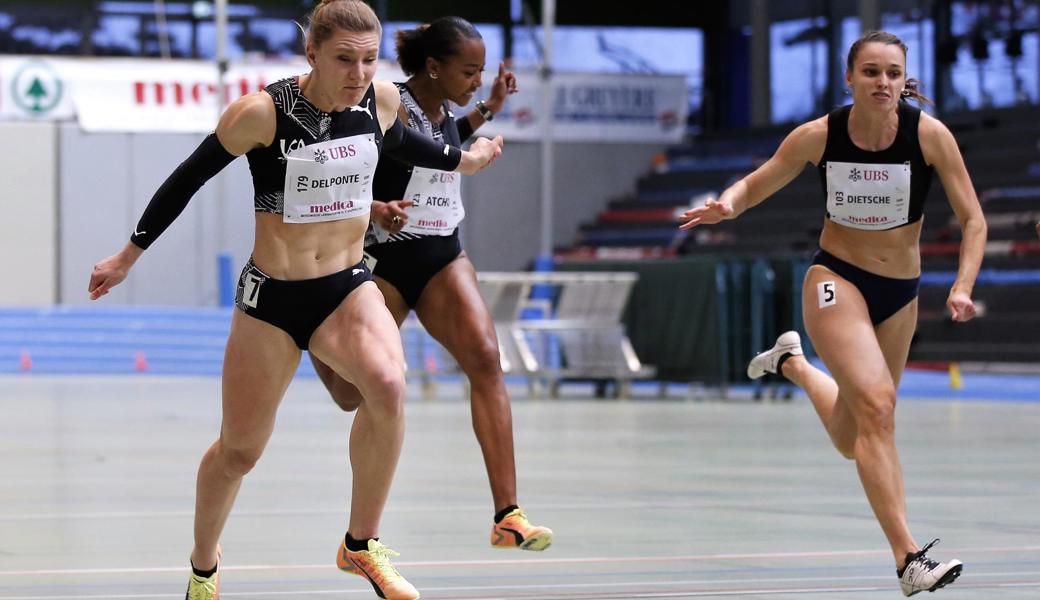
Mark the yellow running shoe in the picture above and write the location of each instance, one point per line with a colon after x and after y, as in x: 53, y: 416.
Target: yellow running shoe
x: 375, y: 566
x: 203, y: 588
x: 515, y: 531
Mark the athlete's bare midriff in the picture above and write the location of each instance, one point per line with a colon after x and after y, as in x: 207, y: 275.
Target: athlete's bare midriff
x: 890, y: 253
x: 295, y: 251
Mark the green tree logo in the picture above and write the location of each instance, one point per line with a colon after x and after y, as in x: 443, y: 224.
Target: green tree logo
x: 37, y: 93
x: 36, y: 88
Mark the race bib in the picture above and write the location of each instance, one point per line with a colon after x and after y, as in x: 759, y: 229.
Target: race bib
x: 329, y: 181
x: 438, y: 206
x: 868, y: 196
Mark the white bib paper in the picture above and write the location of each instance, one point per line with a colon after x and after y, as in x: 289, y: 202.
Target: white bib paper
x: 329, y: 181
x: 438, y: 206
x: 868, y: 196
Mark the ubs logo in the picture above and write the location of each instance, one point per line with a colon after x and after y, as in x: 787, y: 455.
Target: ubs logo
x: 442, y: 177
x: 854, y: 175
x: 322, y: 156
x: 342, y: 151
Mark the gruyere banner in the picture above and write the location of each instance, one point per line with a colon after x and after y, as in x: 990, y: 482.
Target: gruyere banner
x: 594, y: 107
x: 181, y: 96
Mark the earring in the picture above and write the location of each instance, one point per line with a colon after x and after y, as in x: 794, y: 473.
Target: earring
x: 433, y: 76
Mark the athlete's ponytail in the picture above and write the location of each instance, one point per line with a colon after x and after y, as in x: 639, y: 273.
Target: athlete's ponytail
x: 439, y: 39
x: 411, y: 52
x: 911, y: 91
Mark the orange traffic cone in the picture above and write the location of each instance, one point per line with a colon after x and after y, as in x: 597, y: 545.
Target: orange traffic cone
x: 140, y: 362
x: 956, y: 381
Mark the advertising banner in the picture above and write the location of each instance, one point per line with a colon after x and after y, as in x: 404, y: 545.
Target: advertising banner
x: 596, y: 107
x: 181, y: 96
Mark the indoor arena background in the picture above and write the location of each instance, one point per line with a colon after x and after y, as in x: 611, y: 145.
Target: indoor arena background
x: 663, y: 470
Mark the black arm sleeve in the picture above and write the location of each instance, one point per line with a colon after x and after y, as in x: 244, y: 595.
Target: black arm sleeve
x: 414, y: 148
x: 465, y: 127
x: 173, y: 195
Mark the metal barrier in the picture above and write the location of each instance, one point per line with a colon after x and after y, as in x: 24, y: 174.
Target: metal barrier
x: 579, y: 335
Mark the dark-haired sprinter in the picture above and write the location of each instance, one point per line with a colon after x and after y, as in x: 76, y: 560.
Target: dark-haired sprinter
x: 419, y: 264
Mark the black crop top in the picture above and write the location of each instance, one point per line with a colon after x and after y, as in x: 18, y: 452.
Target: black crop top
x: 300, y: 124
x: 874, y: 190
x: 392, y: 175
x: 319, y: 167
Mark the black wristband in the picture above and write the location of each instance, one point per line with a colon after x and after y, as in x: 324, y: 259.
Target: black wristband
x: 173, y: 195
x: 465, y: 127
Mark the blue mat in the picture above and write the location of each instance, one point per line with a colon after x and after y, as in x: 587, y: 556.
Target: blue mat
x: 106, y: 340
x: 986, y: 277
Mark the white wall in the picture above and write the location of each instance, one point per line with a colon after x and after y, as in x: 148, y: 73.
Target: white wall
x: 28, y: 227
x: 106, y: 182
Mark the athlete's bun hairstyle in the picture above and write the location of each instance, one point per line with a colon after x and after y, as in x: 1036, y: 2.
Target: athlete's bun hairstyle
x: 348, y: 15
x: 910, y: 90
x: 439, y: 39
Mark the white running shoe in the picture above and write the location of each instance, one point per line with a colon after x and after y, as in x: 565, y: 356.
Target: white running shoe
x: 788, y: 343
x: 921, y: 573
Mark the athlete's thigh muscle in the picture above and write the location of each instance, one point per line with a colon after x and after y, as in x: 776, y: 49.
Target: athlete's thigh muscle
x: 259, y: 362
x: 453, y: 311
x: 838, y: 323
x: 360, y: 339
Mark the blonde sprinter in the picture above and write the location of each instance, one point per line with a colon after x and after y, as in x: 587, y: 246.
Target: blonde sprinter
x: 312, y: 142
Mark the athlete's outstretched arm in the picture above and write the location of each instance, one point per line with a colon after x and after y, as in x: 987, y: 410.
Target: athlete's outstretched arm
x: 804, y: 144
x: 940, y: 150
x: 414, y: 148
x: 248, y: 123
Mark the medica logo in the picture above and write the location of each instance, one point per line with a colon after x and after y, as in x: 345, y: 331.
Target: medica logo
x: 182, y: 93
